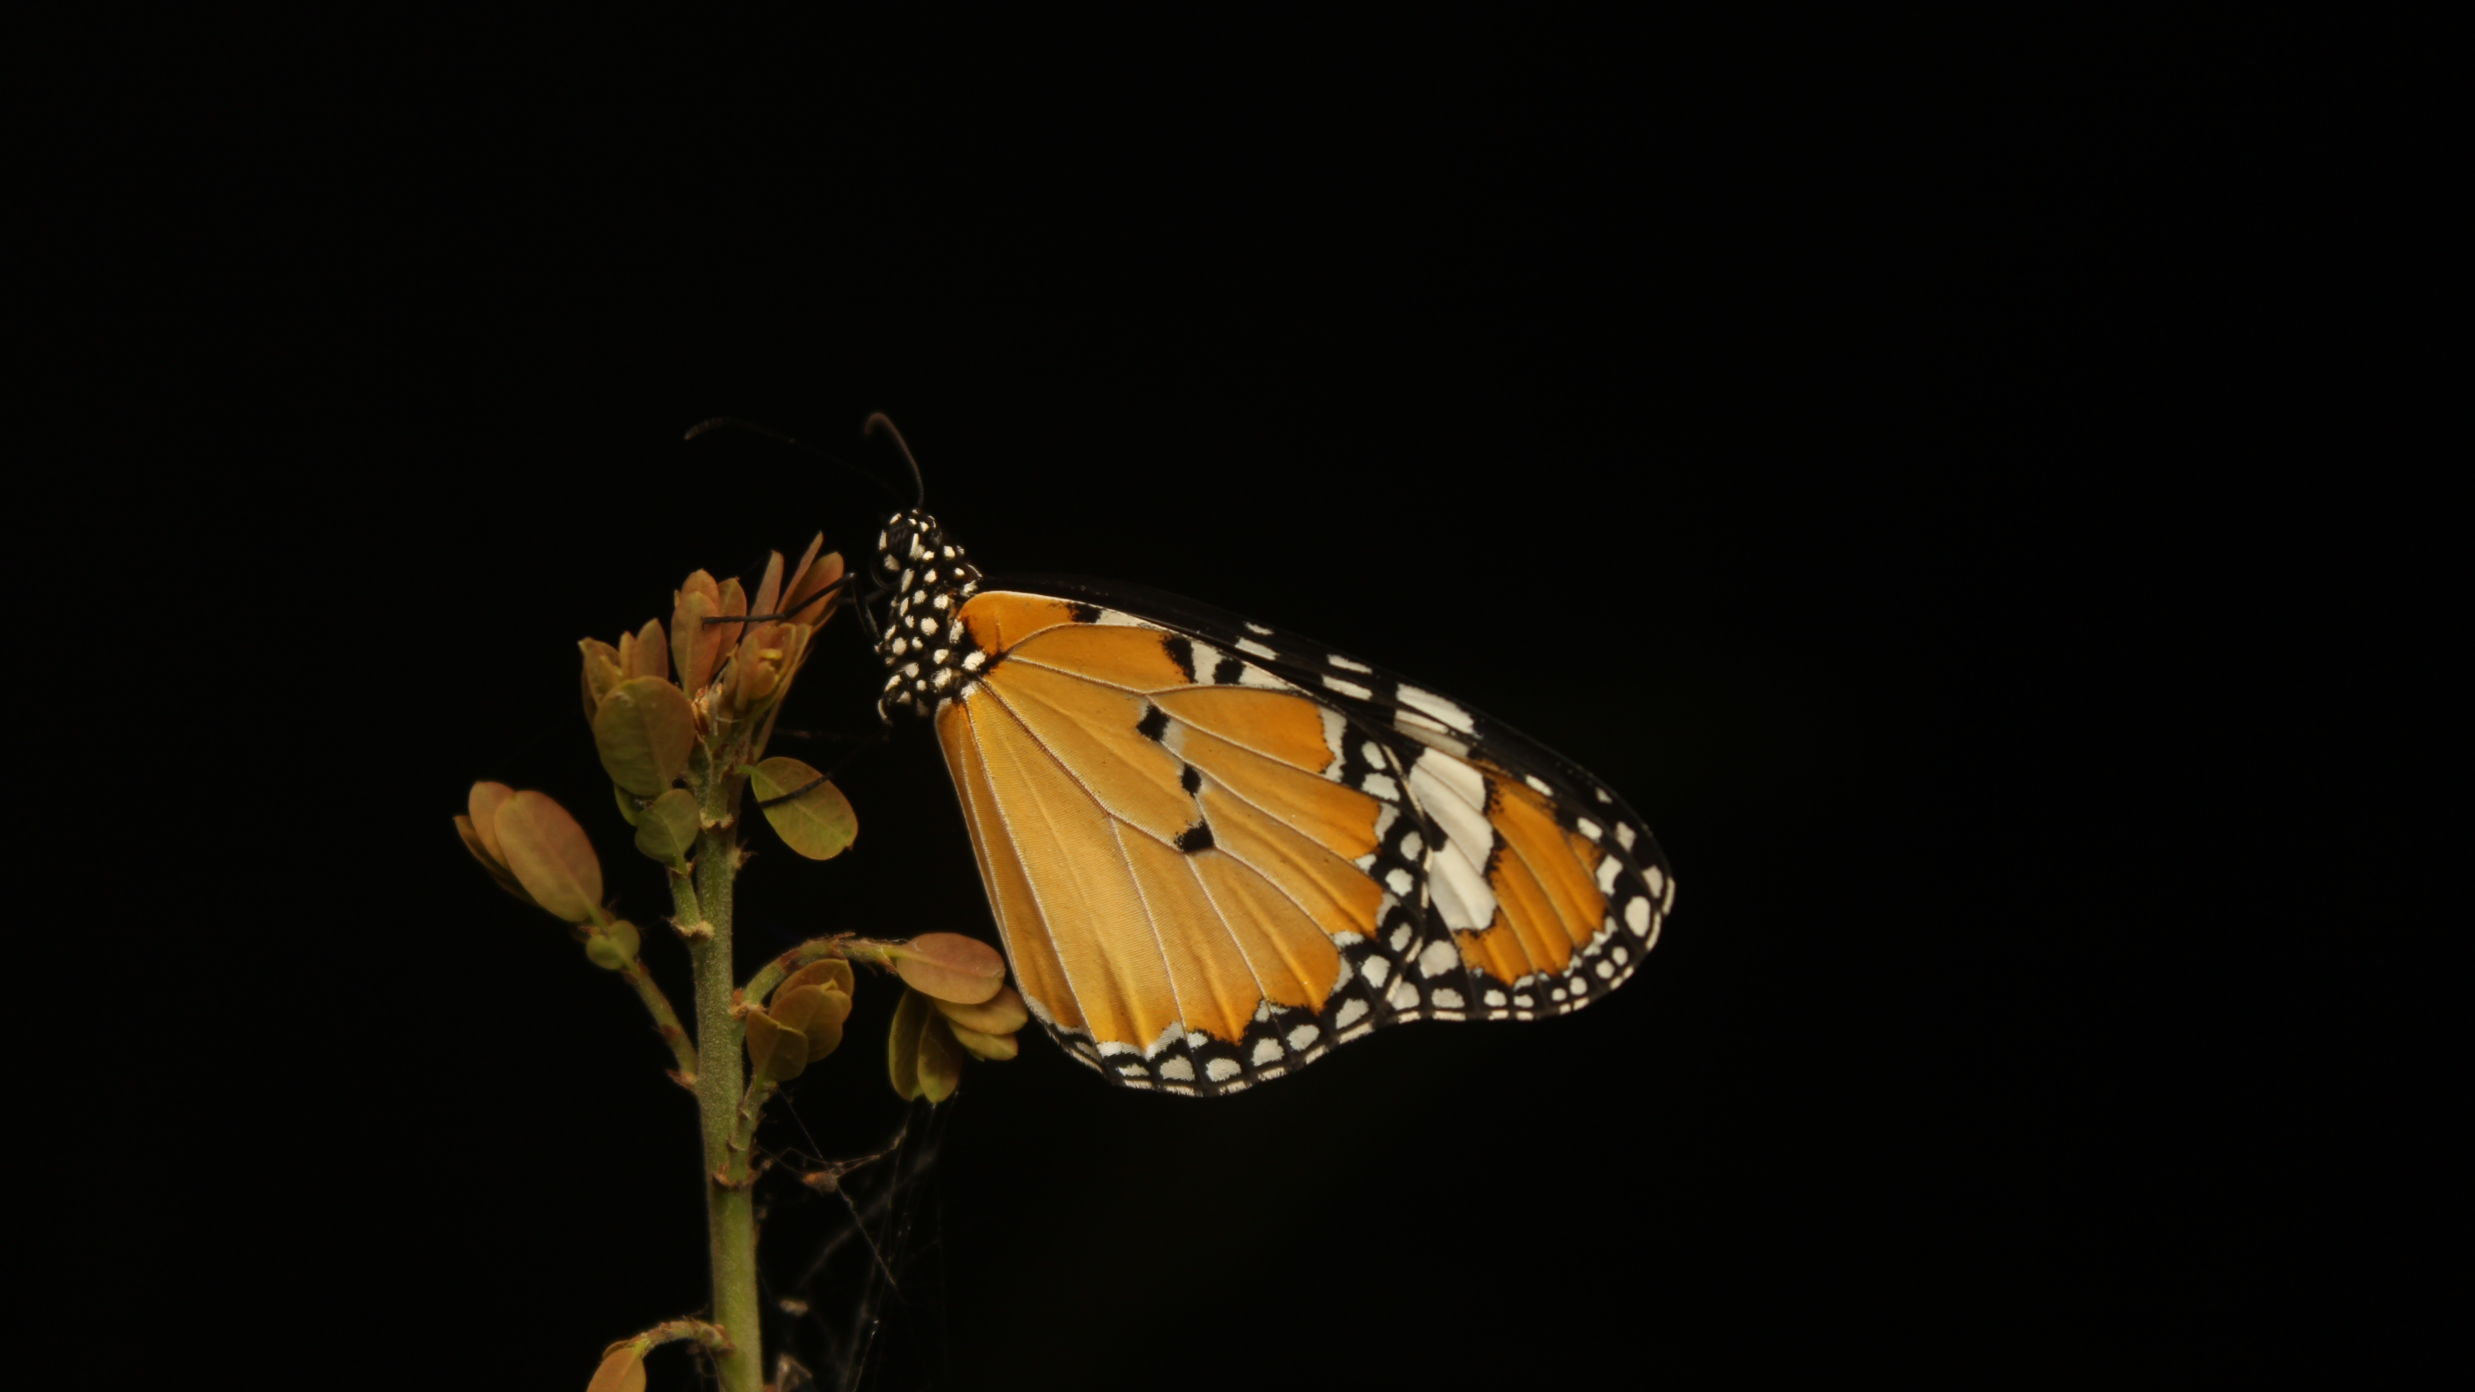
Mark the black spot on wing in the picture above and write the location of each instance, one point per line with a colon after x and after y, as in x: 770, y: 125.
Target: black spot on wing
x: 1083, y: 613
x: 1227, y: 671
x: 1154, y: 724
x: 1191, y: 779
x: 1194, y: 838
x: 1182, y: 653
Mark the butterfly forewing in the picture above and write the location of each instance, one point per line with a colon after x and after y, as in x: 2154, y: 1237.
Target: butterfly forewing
x: 1215, y: 851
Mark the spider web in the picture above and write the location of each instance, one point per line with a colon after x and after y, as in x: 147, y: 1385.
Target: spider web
x: 850, y: 1261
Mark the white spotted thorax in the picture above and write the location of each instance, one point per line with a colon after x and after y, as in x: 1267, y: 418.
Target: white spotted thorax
x: 927, y: 655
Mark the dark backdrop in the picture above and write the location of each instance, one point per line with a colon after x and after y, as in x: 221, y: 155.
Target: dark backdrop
x: 1894, y: 451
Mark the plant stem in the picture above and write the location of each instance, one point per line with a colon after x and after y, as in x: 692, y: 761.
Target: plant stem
x: 730, y: 1214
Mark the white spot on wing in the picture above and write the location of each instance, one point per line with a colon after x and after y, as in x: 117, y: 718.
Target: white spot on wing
x: 1637, y: 914
x: 1221, y: 1070
x: 1345, y: 664
x: 1625, y: 836
x: 1439, y: 957
x: 1267, y: 1050
x: 1451, y: 715
x: 1354, y: 690
x: 1179, y: 1070
x: 1351, y: 1009
x: 1250, y: 646
x: 1608, y: 868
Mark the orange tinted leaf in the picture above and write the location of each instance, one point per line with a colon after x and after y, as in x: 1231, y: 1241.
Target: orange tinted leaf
x: 941, y: 1060
x: 644, y: 733
x: 769, y: 589
x: 695, y: 644
x: 950, y: 967
x: 824, y: 572
x: 482, y: 803
x: 829, y: 971
x: 819, y: 823
x: 1002, y: 1013
x: 550, y: 856
x: 648, y: 652
x: 499, y: 874
x: 996, y: 1048
x: 733, y: 604
x: 798, y: 580
x: 902, y: 1045
x: 622, y: 1369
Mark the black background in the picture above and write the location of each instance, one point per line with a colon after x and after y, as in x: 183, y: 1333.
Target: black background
x: 1916, y: 458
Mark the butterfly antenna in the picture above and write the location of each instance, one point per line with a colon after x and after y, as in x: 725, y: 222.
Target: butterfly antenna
x: 919, y: 484
x: 706, y: 427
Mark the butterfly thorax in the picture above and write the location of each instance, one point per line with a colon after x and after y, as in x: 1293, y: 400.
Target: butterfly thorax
x: 924, y: 580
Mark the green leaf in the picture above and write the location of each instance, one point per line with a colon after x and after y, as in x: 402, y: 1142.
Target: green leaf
x: 816, y: 1012
x: 644, y: 732
x: 601, y: 672
x: 550, y: 856
x: 778, y: 1051
x: 613, y: 946
x: 666, y: 830
x: 902, y: 1045
x: 941, y: 1061
x: 950, y: 967
x: 1002, y: 1013
x: 819, y: 823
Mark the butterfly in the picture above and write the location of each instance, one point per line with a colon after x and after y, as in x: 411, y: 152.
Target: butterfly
x: 1216, y: 851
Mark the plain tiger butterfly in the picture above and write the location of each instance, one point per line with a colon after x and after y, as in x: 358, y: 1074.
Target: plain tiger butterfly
x: 1216, y: 851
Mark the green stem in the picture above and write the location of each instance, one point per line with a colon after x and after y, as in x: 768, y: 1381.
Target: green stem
x: 665, y: 1020
x: 730, y: 1213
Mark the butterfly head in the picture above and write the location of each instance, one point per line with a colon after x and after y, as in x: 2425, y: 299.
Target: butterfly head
x: 924, y: 578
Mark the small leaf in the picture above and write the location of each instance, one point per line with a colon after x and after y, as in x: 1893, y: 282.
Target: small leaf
x: 950, y: 967
x: 902, y: 1045
x: 1002, y: 1013
x: 666, y: 829
x: 622, y: 1369
x: 996, y: 1048
x: 694, y: 644
x: 778, y: 1051
x: 812, y: 581
x: 644, y: 733
x: 650, y: 654
x: 769, y: 589
x: 941, y: 1060
x: 602, y: 671
x: 483, y: 803
x: 816, y: 1012
x: 614, y: 946
x: 824, y: 971
x: 550, y: 855
x: 819, y: 823
x: 732, y: 604
x: 500, y: 875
